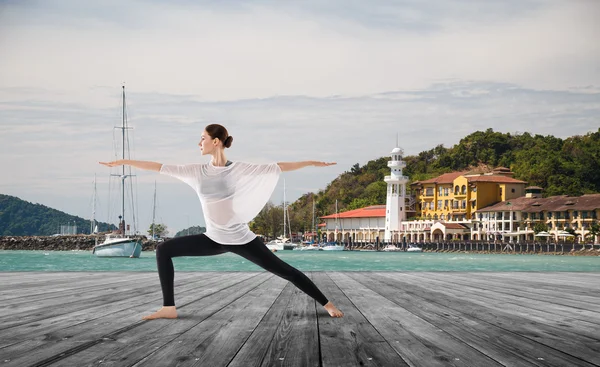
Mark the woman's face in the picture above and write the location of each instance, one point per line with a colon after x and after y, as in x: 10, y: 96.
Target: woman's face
x: 207, y: 144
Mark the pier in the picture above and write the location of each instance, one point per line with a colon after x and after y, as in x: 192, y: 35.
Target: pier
x: 257, y: 319
x: 491, y: 247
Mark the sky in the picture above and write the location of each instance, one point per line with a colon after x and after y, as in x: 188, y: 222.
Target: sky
x: 291, y: 80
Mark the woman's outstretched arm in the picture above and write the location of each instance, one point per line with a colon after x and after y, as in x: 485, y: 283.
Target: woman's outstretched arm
x: 151, y: 166
x: 291, y: 166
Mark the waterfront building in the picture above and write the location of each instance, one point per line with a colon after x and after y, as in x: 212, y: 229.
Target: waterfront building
x: 359, y: 226
x: 455, y: 196
x: 514, y: 220
x: 445, y: 204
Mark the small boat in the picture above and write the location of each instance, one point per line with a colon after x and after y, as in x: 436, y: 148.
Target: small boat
x: 391, y: 248
x: 277, y: 244
x: 313, y: 247
x: 118, y: 246
x: 414, y: 248
x: 333, y: 247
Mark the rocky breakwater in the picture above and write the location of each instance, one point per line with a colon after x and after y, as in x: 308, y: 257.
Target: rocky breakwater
x: 58, y: 243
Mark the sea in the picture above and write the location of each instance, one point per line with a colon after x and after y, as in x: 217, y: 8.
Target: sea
x: 43, y: 261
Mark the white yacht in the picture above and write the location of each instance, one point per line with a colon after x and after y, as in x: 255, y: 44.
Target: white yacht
x: 414, y: 248
x: 391, y: 248
x: 277, y: 244
x: 333, y: 247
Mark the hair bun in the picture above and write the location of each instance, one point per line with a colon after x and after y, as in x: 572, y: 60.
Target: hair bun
x: 228, y: 141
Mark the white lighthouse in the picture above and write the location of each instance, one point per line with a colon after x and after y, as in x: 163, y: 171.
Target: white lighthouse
x: 396, y: 193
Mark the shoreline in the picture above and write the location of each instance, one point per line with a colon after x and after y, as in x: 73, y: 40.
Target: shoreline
x: 62, y: 243
x: 87, y: 242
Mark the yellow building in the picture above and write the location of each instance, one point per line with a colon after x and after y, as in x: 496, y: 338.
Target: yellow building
x: 455, y: 196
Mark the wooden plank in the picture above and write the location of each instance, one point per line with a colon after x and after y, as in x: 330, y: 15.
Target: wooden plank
x: 55, y: 308
x: 424, y: 319
x: 546, y: 281
x: 75, y: 281
x: 254, y: 350
x: 52, y: 287
x: 26, y: 304
x: 351, y: 340
x: 533, y: 290
x: 417, y: 341
x: 296, y: 339
x: 84, y: 323
x: 92, y: 317
x: 504, y: 346
x: 229, y: 329
x: 83, y: 301
x: 542, y: 308
x: 510, y: 317
x: 573, y: 282
x: 97, y: 330
x: 133, y: 345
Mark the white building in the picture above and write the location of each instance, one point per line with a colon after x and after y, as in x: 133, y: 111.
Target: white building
x: 377, y: 222
x: 396, y: 197
x: 364, y: 225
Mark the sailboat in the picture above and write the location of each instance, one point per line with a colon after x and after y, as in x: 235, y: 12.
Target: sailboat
x: 281, y: 242
x: 119, y: 244
x: 156, y: 236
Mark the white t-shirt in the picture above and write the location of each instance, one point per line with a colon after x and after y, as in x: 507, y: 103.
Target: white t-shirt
x: 230, y: 196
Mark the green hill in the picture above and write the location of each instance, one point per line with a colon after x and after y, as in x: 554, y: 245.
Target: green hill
x: 22, y: 218
x: 190, y: 231
x: 561, y: 167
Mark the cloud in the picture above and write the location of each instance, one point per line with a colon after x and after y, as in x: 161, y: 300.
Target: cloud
x: 57, y: 157
x: 291, y: 80
x: 262, y: 49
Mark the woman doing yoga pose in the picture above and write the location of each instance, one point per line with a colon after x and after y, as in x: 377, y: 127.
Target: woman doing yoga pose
x: 231, y: 195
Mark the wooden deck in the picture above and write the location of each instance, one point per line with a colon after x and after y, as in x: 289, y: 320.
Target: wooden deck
x: 257, y: 319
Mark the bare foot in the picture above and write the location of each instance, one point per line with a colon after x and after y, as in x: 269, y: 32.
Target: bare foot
x: 333, y: 311
x: 166, y: 312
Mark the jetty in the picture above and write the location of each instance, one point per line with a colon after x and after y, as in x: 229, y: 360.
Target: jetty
x: 257, y: 319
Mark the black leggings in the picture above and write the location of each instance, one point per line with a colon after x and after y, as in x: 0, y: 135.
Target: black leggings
x: 201, y: 245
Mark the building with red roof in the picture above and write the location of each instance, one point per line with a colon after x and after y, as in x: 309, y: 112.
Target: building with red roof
x: 363, y: 225
x: 516, y: 218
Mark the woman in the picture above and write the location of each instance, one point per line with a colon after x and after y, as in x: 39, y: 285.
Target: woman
x: 231, y: 195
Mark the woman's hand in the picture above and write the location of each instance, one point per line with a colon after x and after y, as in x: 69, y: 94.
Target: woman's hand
x: 291, y: 166
x: 151, y: 166
x: 323, y: 164
x: 113, y: 163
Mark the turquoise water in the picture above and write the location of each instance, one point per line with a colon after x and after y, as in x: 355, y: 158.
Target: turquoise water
x: 305, y: 261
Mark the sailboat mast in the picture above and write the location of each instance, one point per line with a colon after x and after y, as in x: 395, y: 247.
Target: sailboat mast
x: 93, y: 221
x: 336, y: 214
x: 123, y: 176
x: 289, y: 223
x: 284, y: 209
x: 153, y: 210
x: 313, y: 222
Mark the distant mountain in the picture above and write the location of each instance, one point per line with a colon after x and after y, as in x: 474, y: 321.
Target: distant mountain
x: 22, y: 218
x: 190, y: 231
